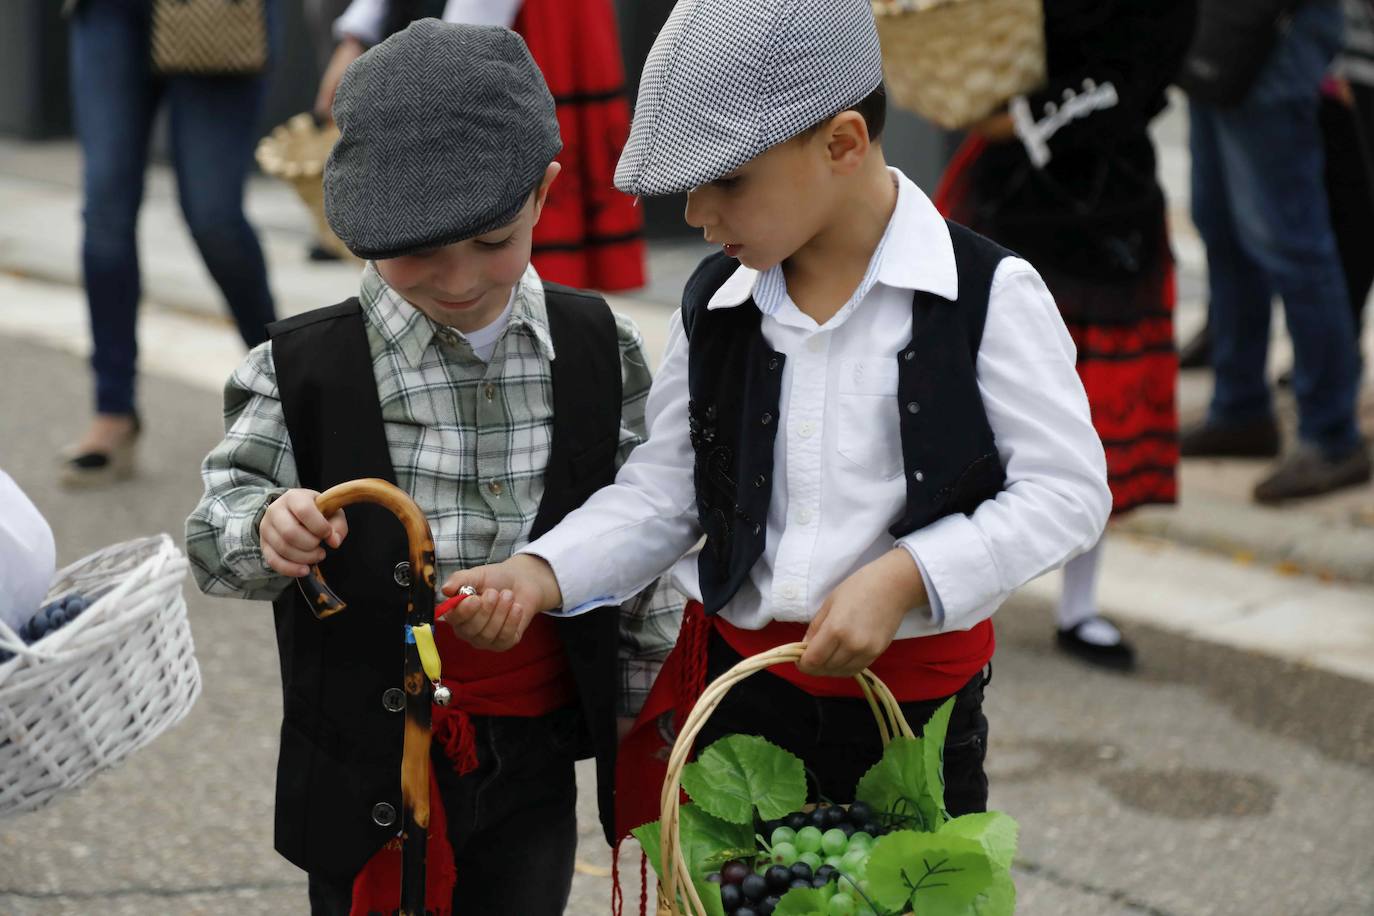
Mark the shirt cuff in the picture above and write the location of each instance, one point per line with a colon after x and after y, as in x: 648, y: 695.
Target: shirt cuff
x: 959, y: 572
x: 243, y: 545
x: 361, y: 21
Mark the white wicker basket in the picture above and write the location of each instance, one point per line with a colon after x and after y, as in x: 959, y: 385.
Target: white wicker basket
x: 84, y: 697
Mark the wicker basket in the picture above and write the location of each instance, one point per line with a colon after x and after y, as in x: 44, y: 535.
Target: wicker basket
x: 677, y: 896
x: 84, y: 697
x: 296, y: 153
x: 955, y: 62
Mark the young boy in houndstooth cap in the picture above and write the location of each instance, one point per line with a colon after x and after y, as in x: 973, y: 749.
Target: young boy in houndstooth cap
x: 872, y: 415
x: 498, y: 402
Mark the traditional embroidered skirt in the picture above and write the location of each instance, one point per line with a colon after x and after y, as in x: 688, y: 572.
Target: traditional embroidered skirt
x: 590, y: 234
x: 1124, y: 332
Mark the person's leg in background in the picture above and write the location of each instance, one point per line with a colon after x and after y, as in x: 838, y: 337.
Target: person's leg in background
x: 1271, y: 151
x: 1082, y: 630
x: 1240, y: 420
x: 114, y: 96
x: 214, y: 124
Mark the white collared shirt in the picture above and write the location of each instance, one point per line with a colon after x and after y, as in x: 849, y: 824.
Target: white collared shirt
x: 838, y: 481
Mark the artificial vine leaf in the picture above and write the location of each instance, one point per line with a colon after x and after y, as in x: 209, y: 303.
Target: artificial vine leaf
x: 648, y: 836
x: 933, y: 874
x: 707, y: 841
x: 993, y: 829
x: 999, y: 899
x: 933, y: 746
x: 801, y: 901
x: 739, y: 773
x: 896, y: 786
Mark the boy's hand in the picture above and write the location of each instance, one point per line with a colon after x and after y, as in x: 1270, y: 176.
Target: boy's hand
x: 508, y: 596
x: 292, y: 532
x: 857, y: 622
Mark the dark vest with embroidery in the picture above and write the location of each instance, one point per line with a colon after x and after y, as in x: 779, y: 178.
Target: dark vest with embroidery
x: 340, y: 740
x: 735, y: 383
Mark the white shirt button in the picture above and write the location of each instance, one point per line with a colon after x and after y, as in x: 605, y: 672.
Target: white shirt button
x: 804, y: 517
x: 806, y: 429
x: 790, y: 591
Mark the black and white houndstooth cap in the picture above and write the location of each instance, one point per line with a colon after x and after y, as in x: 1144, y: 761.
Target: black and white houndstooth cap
x: 445, y: 130
x: 727, y: 80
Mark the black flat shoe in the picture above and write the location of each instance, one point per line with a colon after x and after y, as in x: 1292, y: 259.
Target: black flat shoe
x: 88, y: 469
x: 1086, y: 642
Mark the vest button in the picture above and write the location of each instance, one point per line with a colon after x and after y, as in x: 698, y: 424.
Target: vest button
x: 759, y: 481
x: 773, y: 363
x: 909, y: 355
x: 920, y: 476
x: 394, y: 699
x: 913, y: 407
x: 383, y: 814
x: 401, y: 574
x: 766, y: 419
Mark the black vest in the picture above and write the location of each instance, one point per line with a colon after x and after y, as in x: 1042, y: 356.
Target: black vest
x: 340, y: 742
x: 735, y: 384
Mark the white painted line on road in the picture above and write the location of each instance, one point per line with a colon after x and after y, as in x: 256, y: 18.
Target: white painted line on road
x: 1326, y: 625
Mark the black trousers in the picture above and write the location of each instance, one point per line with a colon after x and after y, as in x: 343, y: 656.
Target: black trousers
x: 512, y: 822
x: 838, y: 737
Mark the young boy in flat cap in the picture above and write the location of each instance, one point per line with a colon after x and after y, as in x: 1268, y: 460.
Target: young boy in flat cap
x: 498, y: 403
x: 871, y: 414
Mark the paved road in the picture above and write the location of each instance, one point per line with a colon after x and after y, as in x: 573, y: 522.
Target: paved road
x: 1215, y: 782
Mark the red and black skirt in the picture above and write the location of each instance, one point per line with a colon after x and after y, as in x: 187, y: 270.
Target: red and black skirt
x: 1123, y: 327
x: 590, y: 235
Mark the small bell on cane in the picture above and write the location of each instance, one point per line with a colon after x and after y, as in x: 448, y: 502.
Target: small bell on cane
x: 442, y: 695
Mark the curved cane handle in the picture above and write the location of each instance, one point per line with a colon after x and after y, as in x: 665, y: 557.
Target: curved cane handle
x: 323, y: 600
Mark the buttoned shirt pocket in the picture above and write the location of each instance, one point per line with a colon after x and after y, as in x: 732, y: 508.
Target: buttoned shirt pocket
x: 869, y: 429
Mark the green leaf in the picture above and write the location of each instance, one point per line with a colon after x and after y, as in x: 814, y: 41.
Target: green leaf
x: 707, y: 842
x: 739, y: 773
x: 896, y: 786
x: 648, y: 836
x: 933, y: 737
x: 1000, y: 899
x: 933, y: 874
x: 801, y: 901
x: 710, y: 896
x: 993, y: 829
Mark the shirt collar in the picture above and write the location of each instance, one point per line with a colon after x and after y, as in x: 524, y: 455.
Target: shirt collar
x: 410, y: 331
x: 915, y: 253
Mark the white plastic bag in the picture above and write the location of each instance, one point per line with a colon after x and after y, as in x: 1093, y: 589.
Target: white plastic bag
x: 28, y: 557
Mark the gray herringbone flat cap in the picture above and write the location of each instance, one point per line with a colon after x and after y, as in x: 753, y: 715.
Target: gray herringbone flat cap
x: 729, y: 79
x: 444, y: 131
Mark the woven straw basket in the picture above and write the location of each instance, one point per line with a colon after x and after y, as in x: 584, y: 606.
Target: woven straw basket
x: 87, y: 695
x: 677, y: 896
x: 296, y: 153
x: 955, y: 62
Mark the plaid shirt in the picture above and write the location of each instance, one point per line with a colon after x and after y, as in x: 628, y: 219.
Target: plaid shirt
x: 469, y: 442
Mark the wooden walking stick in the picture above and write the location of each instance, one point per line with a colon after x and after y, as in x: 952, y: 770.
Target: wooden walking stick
x: 419, y: 614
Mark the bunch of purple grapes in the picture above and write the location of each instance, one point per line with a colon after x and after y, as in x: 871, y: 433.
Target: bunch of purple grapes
x: 50, y: 617
x: 805, y: 849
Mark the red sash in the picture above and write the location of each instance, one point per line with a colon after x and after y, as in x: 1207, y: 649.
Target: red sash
x: 924, y: 668
x: 532, y: 679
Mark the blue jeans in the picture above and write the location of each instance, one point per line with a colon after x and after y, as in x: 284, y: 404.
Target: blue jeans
x: 213, y: 129
x: 1260, y: 205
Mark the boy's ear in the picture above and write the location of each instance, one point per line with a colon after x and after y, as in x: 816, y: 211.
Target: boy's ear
x: 542, y: 192
x: 847, y: 141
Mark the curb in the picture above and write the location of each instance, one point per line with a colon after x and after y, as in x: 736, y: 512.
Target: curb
x: 1294, y: 542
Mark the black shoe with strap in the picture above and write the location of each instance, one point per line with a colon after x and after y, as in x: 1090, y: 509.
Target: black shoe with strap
x: 1098, y: 642
x: 95, y: 467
